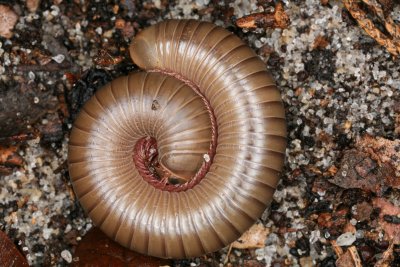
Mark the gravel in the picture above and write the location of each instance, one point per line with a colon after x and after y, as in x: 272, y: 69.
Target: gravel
x: 332, y: 95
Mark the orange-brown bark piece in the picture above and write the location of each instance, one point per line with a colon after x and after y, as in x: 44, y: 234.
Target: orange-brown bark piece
x: 96, y: 249
x: 276, y: 19
x: 9, y: 158
x: 9, y: 254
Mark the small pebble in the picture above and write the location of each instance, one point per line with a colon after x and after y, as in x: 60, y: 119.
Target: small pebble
x: 32, y: 5
x: 59, y: 58
x: 66, y: 255
x: 99, y: 30
x: 346, y: 239
x: 8, y: 19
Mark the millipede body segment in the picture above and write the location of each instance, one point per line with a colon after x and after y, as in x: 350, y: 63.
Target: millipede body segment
x: 181, y: 159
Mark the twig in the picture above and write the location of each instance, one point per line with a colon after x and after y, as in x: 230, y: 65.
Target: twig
x: 338, y: 250
x: 227, y: 254
x: 387, y: 257
x: 52, y: 66
x: 355, y: 256
x: 276, y: 19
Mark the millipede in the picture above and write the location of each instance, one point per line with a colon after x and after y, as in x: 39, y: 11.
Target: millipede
x: 181, y: 158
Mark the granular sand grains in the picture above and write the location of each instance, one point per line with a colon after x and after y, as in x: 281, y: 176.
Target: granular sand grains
x: 35, y: 205
x: 332, y: 95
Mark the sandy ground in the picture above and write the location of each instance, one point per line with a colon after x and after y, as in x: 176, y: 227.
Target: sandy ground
x: 337, y: 85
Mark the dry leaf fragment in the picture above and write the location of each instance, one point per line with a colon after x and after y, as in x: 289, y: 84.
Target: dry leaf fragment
x: 96, y: 249
x: 345, y: 260
x: 392, y: 229
x: 359, y: 170
x: 255, y: 237
x: 276, y: 19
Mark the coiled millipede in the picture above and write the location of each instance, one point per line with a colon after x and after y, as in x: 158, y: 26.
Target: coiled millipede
x: 180, y: 160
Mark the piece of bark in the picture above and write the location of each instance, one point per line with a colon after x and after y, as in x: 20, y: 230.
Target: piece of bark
x: 84, y: 87
x: 349, y: 259
x: 390, y: 41
x: 96, y: 249
x: 345, y: 260
x: 9, y: 254
x: 50, y: 131
x: 21, y: 106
